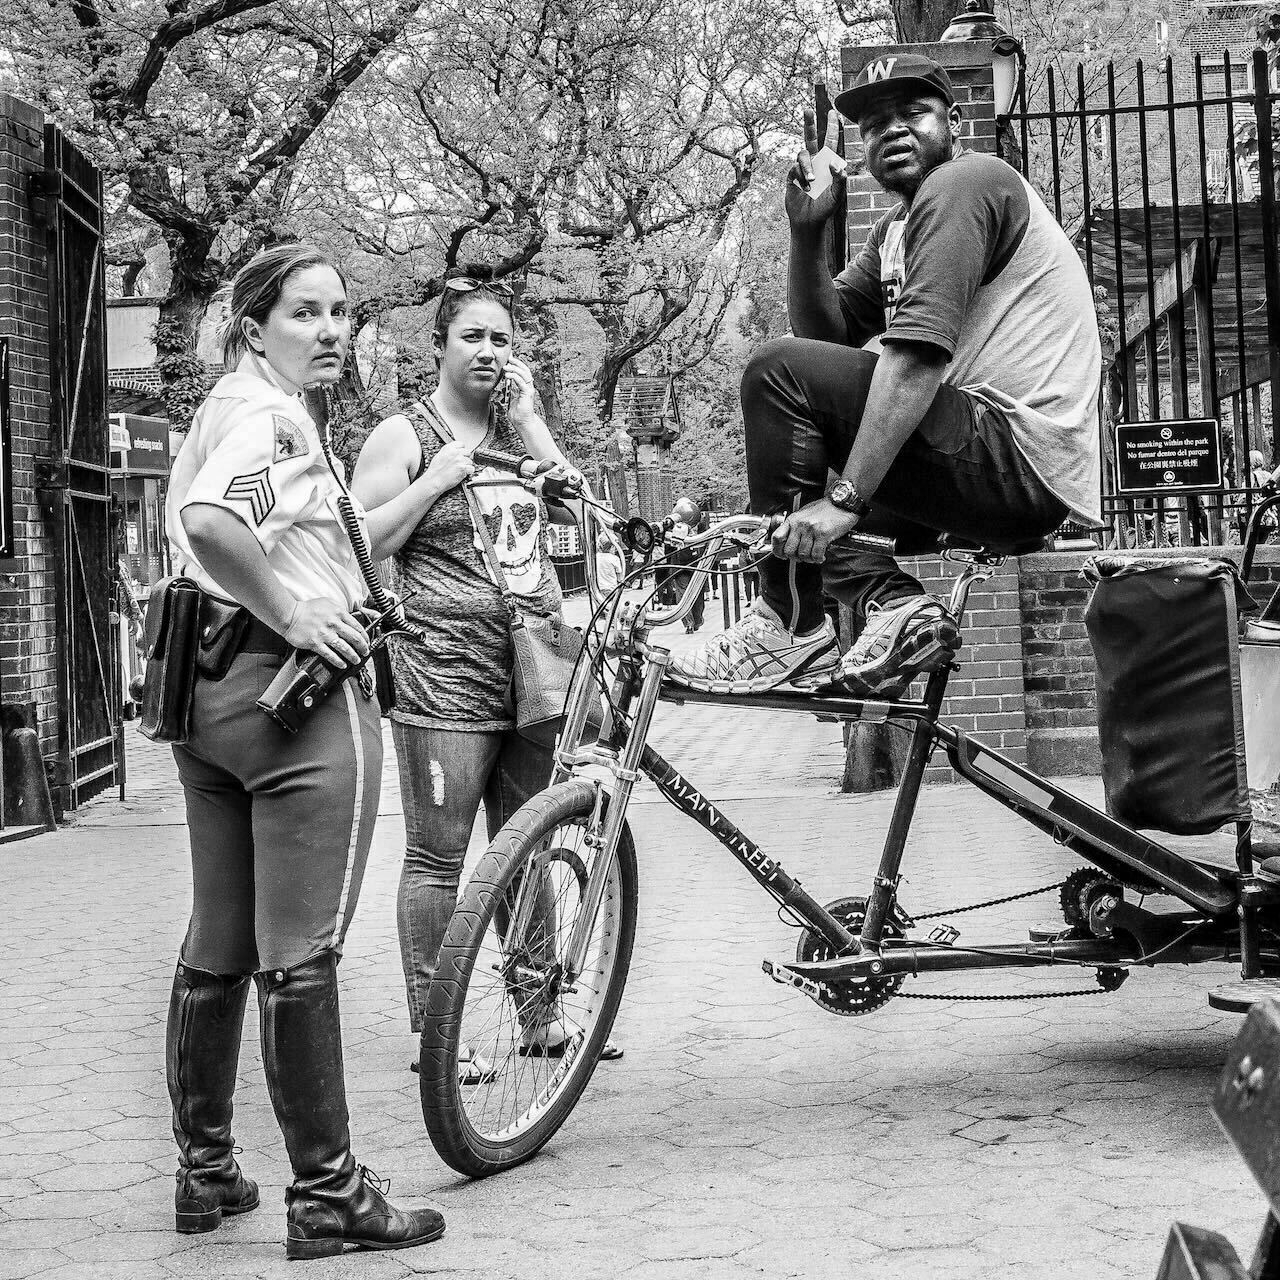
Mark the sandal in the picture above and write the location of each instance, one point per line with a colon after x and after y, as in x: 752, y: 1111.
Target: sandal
x: 472, y: 1068
x: 609, y: 1053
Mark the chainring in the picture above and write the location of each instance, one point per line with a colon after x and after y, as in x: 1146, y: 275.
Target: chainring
x: 853, y: 996
x: 1074, y: 887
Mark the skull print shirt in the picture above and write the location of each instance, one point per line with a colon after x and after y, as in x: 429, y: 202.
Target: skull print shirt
x: 458, y: 679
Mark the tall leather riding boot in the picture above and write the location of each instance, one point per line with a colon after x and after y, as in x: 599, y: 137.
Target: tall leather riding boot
x: 202, y: 1050
x: 333, y: 1201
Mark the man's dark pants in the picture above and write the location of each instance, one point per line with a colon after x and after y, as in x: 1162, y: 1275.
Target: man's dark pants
x: 959, y: 472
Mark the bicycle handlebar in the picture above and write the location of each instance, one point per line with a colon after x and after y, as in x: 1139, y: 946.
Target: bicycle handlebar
x: 641, y: 535
x: 529, y: 470
x: 864, y: 541
x: 768, y: 525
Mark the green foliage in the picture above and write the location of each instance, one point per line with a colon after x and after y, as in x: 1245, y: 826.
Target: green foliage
x: 350, y: 421
x: 197, y: 114
x: 183, y: 376
x: 598, y: 154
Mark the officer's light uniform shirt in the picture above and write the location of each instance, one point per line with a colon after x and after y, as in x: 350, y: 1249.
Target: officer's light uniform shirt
x: 254, y: 451
x: 978, y: 268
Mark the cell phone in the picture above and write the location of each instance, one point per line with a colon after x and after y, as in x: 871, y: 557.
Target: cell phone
x: 822, y: 167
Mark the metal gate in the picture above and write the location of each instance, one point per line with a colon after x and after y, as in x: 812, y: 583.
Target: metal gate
x: 73, y: 483
x: 1164, y: 177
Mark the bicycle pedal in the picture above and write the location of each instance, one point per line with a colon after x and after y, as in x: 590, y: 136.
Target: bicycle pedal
x: 784, y: 977
x: 943, y: 934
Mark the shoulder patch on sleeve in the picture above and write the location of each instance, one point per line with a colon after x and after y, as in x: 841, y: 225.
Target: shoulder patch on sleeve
x: 255, y: 489
x: 289, y: 439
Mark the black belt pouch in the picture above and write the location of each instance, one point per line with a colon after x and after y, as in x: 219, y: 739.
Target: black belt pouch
x: 171, y: 645
x: 222, y: 630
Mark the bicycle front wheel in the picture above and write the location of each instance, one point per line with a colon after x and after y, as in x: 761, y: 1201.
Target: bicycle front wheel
x: 512, y: 1033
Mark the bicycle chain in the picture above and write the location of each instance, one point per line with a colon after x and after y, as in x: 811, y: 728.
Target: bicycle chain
x: 971, y: 999
x: 1042, y: 995
x: 991, y: 902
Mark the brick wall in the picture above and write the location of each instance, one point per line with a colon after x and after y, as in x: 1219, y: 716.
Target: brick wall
x: 969, y: 68
x: 28, y: 667
x: 987, y: 696
x: 1057, y: 663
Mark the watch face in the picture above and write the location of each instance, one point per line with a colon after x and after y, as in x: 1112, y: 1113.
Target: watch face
x: 846, y: 496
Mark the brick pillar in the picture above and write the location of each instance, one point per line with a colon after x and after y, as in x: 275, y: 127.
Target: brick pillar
x: 28, y: 668
x: 969, y: 66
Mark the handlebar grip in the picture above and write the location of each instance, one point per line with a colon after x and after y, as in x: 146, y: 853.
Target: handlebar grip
x: 872, y: 542
x: 523, y: 466
x: 866, y: 541
x: 497, y: 458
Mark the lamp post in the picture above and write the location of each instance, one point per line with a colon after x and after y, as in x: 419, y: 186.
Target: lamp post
x: 976, y: 22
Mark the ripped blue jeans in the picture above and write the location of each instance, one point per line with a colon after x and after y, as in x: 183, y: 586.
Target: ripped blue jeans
x: 445, y: 775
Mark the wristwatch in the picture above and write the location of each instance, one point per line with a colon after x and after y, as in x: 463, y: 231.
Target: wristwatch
x: 844, y: 494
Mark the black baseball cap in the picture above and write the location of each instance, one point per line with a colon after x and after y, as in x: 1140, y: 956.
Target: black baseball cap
x: 889, y: 72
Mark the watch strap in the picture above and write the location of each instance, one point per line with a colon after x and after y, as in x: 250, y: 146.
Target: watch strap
x: 845, y: 495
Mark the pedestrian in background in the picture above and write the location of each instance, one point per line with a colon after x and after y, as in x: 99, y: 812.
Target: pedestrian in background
x: 610, y: 562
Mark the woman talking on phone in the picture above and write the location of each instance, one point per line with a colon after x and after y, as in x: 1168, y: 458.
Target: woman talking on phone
x: 454, y: 733
x: 280, y: 823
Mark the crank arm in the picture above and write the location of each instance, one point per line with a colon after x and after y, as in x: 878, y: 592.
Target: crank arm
x: 780, y: 973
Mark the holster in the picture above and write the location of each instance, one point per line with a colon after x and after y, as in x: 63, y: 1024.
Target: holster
x: 171, y: 646
x: 384, y: 679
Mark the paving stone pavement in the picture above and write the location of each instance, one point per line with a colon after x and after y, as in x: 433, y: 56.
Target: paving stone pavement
x: 745, y: 1134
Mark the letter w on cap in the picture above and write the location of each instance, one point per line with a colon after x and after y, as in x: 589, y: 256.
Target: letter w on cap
x: 881, y: 70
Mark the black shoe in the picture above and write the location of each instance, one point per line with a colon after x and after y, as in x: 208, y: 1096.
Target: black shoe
x: 333, y: 1201
x: 202, y: 1049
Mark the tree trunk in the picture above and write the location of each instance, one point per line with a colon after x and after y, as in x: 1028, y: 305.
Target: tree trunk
x: 922, y: 21
x: 546, y: 371
x: 183, y: 376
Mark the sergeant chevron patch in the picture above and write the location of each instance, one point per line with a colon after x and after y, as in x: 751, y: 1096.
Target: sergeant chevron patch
x: 255, y: 489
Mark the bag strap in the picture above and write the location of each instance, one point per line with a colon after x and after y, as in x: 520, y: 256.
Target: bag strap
x: 433, y: 419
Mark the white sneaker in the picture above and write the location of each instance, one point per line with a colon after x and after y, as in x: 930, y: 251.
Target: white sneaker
x: 756, y: 654
x: 898, y: 643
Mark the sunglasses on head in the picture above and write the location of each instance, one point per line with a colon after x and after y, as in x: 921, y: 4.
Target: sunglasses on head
x: 467, y: 284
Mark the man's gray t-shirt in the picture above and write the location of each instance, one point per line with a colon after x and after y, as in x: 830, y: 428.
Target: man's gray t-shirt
x: 458, y: 677
x: 978, y: 267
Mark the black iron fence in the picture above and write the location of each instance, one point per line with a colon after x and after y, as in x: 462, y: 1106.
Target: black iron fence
x: 1164, y: 177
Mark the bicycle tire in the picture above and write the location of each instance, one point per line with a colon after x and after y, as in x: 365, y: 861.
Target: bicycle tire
x: 481, y: 1129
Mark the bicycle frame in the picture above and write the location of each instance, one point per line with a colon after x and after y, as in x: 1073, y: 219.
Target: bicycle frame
x: 1221, y: 917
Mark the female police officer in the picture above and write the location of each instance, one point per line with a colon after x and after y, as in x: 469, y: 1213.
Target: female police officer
x: 280, y: 824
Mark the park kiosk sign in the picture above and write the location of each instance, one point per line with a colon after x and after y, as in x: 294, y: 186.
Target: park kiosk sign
x: 1181, y: 455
